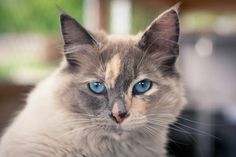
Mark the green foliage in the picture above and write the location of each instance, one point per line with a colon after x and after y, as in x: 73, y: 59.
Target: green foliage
x: 142, y: 18
x: 36, y: 15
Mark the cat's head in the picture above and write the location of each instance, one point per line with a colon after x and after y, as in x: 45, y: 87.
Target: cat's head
x: 122, y: 85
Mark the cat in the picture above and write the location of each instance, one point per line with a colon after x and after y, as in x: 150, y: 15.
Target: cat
x: 112, y: 96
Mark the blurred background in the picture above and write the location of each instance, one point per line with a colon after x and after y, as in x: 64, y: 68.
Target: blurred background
x: 31, y: 45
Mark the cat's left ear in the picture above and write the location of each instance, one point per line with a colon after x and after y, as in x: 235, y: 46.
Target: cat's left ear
x: 161, y: 37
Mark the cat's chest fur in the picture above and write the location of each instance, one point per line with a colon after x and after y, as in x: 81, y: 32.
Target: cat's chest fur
x: 125, y: 148
x: 122, y: 149
x: 107, y: 148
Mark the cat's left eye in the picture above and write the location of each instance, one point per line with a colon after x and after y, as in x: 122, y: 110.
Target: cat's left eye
x: 97, y: 87
x: 142, y: 87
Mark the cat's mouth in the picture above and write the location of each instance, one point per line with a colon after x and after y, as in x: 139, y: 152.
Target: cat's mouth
x: 111, y: 128
x: 119, y: 132
x: 120, y: 135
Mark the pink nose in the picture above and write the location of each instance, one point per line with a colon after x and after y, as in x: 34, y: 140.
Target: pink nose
x: 117, y: 114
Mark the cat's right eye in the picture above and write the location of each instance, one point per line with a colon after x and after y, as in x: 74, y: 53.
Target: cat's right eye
x: 97, y: 87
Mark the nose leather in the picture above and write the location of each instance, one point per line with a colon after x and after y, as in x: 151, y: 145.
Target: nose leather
x: 118, y: 114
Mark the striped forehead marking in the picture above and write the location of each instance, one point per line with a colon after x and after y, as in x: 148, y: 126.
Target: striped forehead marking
x: 112, y: 70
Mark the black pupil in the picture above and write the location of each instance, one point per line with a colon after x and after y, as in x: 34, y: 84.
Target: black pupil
x: 96, y: 84
x: 142, y: 84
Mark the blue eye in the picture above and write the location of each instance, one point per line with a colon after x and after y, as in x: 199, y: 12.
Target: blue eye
x: 97, y: 87
x: 142, y: 86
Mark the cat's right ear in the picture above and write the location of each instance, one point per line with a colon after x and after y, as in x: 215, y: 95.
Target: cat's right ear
x: 74, y: 33
x: 76, y: 38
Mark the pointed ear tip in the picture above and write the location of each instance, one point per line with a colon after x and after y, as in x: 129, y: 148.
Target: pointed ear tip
x: 176, y: 7
x: 63, y: 15
x: 174, y: 10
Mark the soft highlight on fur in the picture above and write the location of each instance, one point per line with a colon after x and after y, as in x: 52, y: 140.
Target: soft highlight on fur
x: 63, y: 117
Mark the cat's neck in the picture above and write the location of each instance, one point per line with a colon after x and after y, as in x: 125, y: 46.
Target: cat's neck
x: 132, y: 147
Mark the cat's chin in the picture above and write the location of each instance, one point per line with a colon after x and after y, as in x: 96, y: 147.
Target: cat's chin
x: 122, y: 135
x: 117, y: 132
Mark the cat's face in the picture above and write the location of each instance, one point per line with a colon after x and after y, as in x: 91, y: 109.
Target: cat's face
x: 121, y: 86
